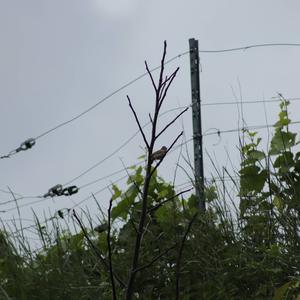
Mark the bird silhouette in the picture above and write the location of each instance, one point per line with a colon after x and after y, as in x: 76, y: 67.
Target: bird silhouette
x: 101, y: 228
x: 159, y: 154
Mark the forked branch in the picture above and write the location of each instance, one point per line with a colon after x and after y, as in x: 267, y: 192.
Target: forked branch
x: 161, y: 89
x: 96, y: 250
x: 138, y: 122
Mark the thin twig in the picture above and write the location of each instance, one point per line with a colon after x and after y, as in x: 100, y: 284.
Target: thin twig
x: 162, y: 64
x: 167, y: 200
x: 151, y: 77
x: 96, y: 250
x: 170, y: 123
x: 151, y: 120
x: 138, y: 122
x: 155, y: 259
x: 154, y: 169
x: 166, y: 88
x: 167, y: 78
x: 164, y: 83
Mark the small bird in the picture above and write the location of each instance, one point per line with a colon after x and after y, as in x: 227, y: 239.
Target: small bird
x: 101, y: 228
x: 159, y: 154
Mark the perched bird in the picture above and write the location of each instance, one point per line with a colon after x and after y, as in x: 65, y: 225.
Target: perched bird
x: 101, y: 228
x: 159, y: 154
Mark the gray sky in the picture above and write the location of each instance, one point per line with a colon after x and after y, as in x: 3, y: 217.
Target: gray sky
x: 59, y: 57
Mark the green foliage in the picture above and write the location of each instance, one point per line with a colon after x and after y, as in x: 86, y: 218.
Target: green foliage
x: 253, y: 256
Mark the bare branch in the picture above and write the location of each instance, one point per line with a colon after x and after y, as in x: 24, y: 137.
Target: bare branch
x: 140, y: 230
x: 151, y: 120
x: 169, y: 124
x: 178, y: 262
x: 151, y: 77
x: 166, y: 88
x: 163, y: 84
x: 138, y: 123
x: 111, y: 273
x: 96, y: 250
x: 160, y: 90
x: 167, y: 200
x: 154, y: 169
x: 155, y: 259
x: 162, y: 64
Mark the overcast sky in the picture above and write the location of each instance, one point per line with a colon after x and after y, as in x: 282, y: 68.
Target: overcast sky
x: 60, y: 57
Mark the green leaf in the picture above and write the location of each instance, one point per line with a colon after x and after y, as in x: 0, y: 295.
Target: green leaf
x: 282, y: 141
x: 193, y: 203
x: 244, y: 205
x: 284, y: 162
x: 210, y: 194
x: 102, y: 242
x: 120, y: 211
x: 252, y: 180
x: 277, y: 201
x: 162, y: 214
x: 256, y: 155
x: 136, y: 178
x: 131, y: 167
x: 281, y: 291
x: 117, y: 192
x: 163, y: 193
x: 142, y: 157
x: 123, y: 207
